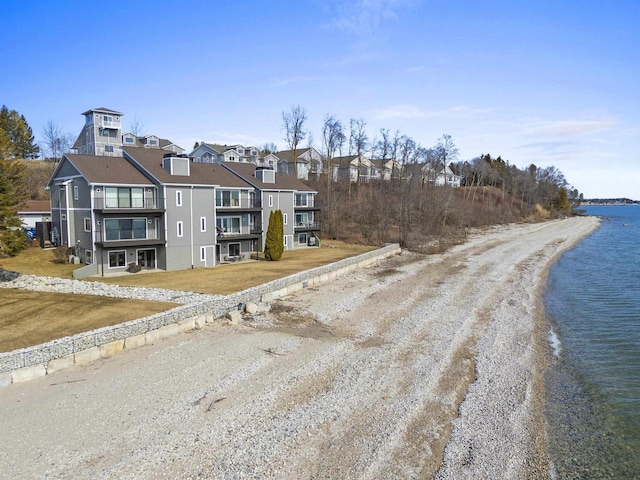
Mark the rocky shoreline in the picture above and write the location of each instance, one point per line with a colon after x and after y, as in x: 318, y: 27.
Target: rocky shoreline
x: 420, y: 367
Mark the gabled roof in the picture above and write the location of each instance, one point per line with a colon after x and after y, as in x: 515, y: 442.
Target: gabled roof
x: 106, y: 170
x: 201, y: 173
x: 283, y: 181
x: 287, y: 155
x: 348, y: 160
x: 103, y: 110
x: 36, y: 206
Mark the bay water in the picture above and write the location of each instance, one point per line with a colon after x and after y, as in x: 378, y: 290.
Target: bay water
x: 593, y: 386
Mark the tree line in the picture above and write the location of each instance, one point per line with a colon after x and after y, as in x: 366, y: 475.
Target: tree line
x: 410, y: 208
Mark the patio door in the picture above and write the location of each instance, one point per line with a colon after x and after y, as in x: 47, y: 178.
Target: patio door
x: 147, y: 258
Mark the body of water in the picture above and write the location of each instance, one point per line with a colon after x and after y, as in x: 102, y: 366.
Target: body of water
x: 593, y: 387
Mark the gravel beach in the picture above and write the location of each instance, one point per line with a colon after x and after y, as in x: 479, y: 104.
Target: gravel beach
x: 419, y: 367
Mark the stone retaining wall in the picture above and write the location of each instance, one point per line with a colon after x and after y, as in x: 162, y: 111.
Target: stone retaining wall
x: 32, y: 362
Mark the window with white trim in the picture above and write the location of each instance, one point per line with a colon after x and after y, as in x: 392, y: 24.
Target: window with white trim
x: 203, y: 254
x: 302, y: 238
x: 285, y: 241
x: 284, y: 216
x: 203, y: 224
x: 178, y: 198
x: 87, y: 224
x: 179, y: 227
x: 76, y: 194
x: 271, y: 200
x: 228, y: 225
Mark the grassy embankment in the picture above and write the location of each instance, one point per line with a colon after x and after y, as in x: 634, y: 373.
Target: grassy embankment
x: 30, y: 318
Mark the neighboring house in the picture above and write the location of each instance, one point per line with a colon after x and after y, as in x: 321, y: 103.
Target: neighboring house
x: 387, y: 168
x: 102, y: 135
x: 214, y: 153
x: 308, y: 162
x: 439, y: 176
x: 35, y: 211
x: 278, y: 191
x: 354, y: 168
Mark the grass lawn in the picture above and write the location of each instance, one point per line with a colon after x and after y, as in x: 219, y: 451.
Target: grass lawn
x: 31, y: 318
x: 37, y: 261
x: 229, y: 278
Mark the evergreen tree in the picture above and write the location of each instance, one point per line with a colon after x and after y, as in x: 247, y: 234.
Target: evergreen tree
x: 274, y: 244
x: 20, y: 135
x: 13, y: 193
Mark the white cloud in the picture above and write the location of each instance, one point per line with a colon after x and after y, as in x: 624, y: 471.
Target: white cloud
x: 365, y: 17
x: 566, y: 128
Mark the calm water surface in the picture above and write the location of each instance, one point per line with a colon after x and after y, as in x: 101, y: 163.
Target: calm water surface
x: 593, y: 389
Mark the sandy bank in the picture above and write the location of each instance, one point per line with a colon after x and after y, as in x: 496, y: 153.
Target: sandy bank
x: 420, y: 367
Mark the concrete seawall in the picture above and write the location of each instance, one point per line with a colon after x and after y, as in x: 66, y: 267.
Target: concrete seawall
x: 40, y: 360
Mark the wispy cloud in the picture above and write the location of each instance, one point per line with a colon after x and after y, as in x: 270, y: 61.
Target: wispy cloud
x: 565, y: 128
x: 365, y: 17
x: 412, y: 111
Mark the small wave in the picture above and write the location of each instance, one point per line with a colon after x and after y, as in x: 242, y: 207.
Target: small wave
x: 554, y: 341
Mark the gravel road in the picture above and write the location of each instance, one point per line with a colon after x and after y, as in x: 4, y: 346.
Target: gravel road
x: 420, y: 367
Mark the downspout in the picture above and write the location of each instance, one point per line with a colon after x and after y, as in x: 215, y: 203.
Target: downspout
x: 191, y: 226
x: 66, y: 204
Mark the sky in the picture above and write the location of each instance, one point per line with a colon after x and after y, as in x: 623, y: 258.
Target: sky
x: 550, y: 83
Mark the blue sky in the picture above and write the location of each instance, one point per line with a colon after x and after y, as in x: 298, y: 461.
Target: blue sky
x: 550, y: 83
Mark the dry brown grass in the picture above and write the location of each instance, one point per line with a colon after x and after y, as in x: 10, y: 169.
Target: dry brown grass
x: 226, y: 279
x: 31, y: 318
x: 37, y: 261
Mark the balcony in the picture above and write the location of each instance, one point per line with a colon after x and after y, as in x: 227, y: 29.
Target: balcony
x: 244, y: 205
x: 142, y: 205
x: 112, y: 124
x: 306, y: 226
x: 244, y: 234
x: 152, y: 238
x: 310, y: 206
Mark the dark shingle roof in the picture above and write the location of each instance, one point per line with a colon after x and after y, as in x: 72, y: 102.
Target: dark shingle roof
x: 201, y: 173
x: 112, y: 170
x: 283, y: 181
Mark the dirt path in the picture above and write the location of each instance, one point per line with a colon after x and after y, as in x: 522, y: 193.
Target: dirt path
x: 423, y: 366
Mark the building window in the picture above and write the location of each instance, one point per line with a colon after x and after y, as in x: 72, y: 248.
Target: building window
x: 302, y: 199
x: 227, y: 225
x: 108, y: 148
x: 87, y: 224
x: 128, y: 139
x: 271, y: 200
x: 63, y: 217
x: 203, y: 224
x: 124, y: 197
x: 302, y: 239
x: 203, y: 254
x: 76, y: 194
x: 285, y: 217
x: 285, y: 241
x: 178, y: 198
x: 125, y: 229
x: 227, y: 198
x: 180, y: 229
x: 117, y: 259
x: 234, y: 249
x: 153, y: 142
x: 88, y: 257
x: 304, y: 219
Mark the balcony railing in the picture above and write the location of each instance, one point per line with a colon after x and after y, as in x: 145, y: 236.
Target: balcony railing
x: 122, y: 236
x: 307, y: 226
x: 243, y: 204
x: 238, y: 235
x: 110, y: 124
x: 101, y: 203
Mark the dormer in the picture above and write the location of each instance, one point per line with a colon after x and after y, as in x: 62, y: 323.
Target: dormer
x: 265, y: 175
x: 129, y: 140
x: 176, y: 164
x: 150, y: 141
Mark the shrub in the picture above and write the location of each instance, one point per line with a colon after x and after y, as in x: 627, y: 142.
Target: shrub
x: 61, y: 254
x: 274, y: 244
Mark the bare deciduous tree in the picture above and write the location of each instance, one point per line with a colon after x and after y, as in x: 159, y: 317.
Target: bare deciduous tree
x: 55, y: 142
x: 137, y: 127
x: 294, y: 131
